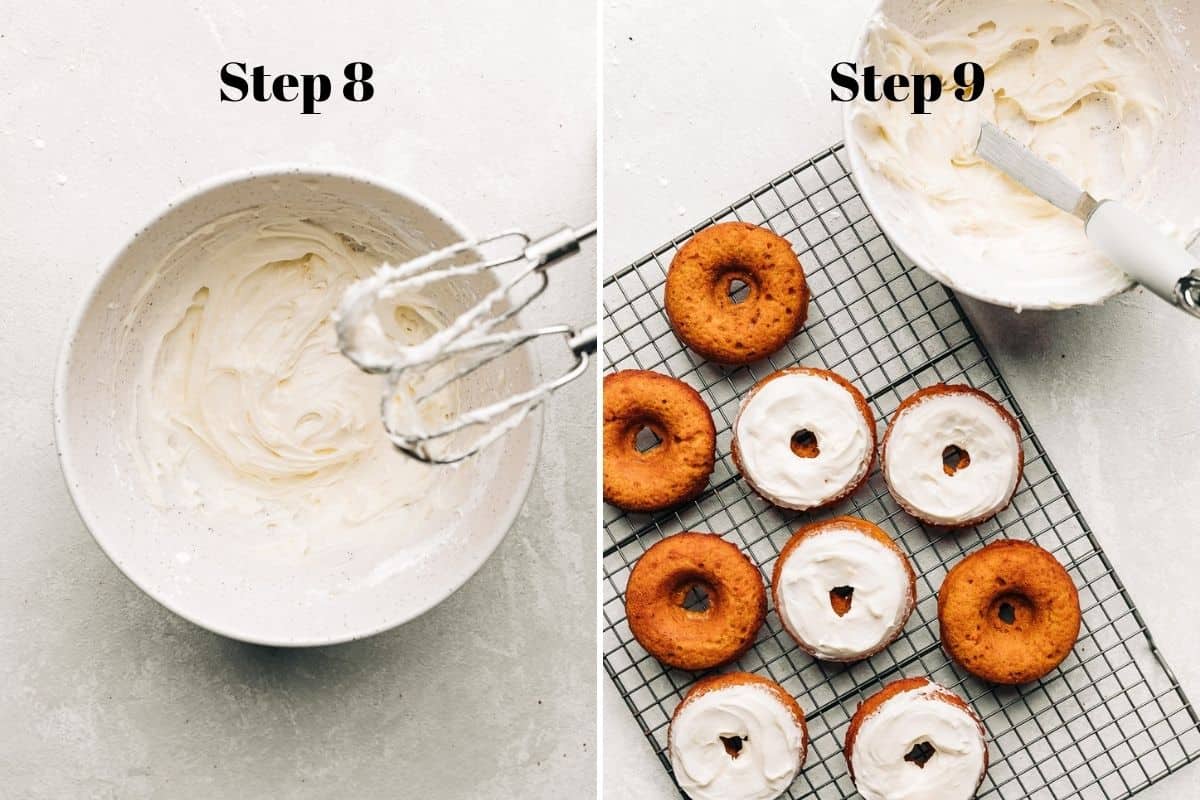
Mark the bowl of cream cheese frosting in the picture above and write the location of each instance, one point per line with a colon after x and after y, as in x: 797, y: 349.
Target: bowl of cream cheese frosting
x: 1105, y: 90
x: 228, y: 458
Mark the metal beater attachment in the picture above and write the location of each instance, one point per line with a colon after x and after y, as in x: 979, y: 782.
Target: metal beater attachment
x: 416, y: 414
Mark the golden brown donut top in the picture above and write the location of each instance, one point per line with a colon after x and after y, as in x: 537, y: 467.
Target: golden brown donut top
x: 697, y: 297
x: 1009, y: 613
x: 695, y: 639
x: 674, y: 471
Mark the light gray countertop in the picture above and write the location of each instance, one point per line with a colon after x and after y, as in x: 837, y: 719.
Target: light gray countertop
x: 107, y: 112
x: 706, y: 103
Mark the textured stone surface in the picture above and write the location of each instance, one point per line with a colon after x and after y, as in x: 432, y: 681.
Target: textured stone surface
x: 738, y: 97
x: 105, y: 114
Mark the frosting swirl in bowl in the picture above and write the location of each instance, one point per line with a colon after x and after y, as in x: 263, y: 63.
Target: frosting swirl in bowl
x: 1098, y: 89
x: 244, y: 402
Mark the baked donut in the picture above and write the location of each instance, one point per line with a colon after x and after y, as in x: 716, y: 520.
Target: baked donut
x: 917, y: 740
x: 952, y: 456
x: 843, y: 589
x: 737, y: 737
x: 704, y: 315
x: 804, y: 438
x: 1008, y: 613
x: 674, y: 471
x: 695, y: 639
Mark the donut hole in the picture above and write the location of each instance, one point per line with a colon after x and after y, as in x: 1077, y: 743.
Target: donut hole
x: 737, y: 287
x: 920, y: 753
x: 1011, y: 610
x: 733, y: 745
x: 694, y: 596
x: 646, y: 439
x: 804, y: 444
x: 955, y: 458
x: 697, y: 599
x: 840, y: 597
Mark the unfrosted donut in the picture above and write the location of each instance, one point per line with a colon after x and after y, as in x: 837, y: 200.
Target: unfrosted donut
x: 674, y: 471
x: 703, y: 313
x: 1009, y: 613
x: 695, y: 639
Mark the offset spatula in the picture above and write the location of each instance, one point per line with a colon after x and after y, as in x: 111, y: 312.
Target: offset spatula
x: 1148, y: 256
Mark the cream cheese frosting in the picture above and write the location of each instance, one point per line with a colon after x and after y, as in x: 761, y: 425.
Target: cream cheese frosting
x: 780, y: 407
x: 1084, y: 87
x: 838, y: 557
x: 245, y: 405
x: 913, y: 466
x: 771, y: 751
x: 909, y: 718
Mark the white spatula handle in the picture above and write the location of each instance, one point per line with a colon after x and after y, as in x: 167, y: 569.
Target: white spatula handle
x: 1148, y: 256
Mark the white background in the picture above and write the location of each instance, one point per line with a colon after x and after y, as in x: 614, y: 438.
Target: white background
x: 109, y: 110
x: 707, y: 101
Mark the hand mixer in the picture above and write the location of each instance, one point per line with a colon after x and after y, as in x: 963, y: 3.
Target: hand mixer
x: 473, y: 339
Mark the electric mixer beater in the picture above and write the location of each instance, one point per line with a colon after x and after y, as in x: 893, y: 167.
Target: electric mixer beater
x: 472, y: 340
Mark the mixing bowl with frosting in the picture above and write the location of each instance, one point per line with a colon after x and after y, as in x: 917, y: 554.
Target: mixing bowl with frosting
x: 1105, y: 90
x: 225, y: 454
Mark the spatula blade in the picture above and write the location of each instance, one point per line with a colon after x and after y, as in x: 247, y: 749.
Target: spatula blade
x: 1017, y: 162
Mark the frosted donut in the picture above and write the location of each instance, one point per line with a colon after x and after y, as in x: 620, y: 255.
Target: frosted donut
x: 952, y: 456
x: 916, y: 740
x: 843, y: 589
x: 804, y: 438
x: 737, y: 737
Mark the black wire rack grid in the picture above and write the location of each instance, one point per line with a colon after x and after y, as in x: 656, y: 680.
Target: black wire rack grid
x: 1111, y: 720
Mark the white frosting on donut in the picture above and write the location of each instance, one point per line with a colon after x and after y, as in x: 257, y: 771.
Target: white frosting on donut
x: 772, y: 744
x: 843, y: 556
x: 909, y: 718
x: 780, y: 408
x: 912, y: 458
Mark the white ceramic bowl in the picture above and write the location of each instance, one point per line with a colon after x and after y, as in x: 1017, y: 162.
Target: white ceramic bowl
x: 222, y: 578
x: 1167, y: 193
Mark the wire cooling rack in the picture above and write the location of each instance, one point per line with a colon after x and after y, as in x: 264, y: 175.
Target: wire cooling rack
x: 1111, y: 720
